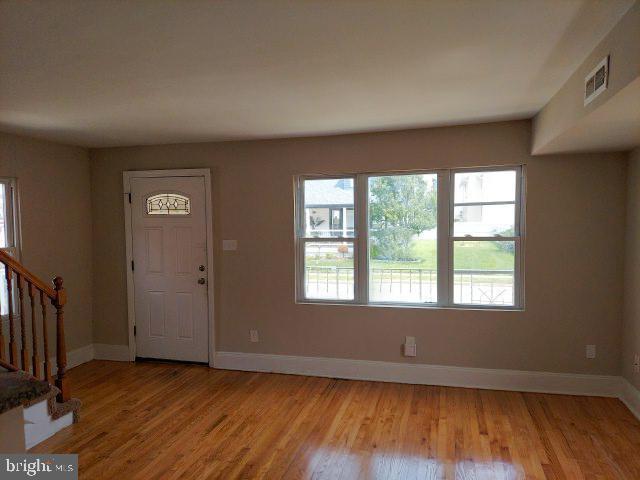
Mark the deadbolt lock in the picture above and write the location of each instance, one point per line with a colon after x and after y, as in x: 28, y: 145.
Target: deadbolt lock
x: 201, y: 268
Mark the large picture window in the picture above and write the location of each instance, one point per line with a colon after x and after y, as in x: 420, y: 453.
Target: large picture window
x: 447, y: 238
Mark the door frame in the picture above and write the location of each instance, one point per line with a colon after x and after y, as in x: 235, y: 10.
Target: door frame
x: 127, y: 176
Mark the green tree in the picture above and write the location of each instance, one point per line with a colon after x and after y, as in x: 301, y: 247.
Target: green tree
x: 400, y: 207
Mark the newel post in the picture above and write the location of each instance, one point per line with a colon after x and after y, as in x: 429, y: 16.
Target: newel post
x: 61, y: 350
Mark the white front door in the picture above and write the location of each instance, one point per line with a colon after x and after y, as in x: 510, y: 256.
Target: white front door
x: 168, y: 216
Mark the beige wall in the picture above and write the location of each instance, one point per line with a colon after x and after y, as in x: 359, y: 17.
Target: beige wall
x: 631, y: 326
x: 566, y: 108
x: 54, y: 186
x: 574, y: 263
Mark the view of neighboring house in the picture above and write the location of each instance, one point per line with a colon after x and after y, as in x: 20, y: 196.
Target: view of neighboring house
x: 329, y: 207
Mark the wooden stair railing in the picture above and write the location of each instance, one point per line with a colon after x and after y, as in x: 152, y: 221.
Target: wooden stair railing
x: 36, y: 290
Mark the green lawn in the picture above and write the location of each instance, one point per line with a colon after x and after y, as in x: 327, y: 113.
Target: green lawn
x: 467, y: 256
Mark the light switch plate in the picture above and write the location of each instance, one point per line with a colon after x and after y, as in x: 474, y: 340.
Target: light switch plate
x: 253, y: 336
x: 229, y: 244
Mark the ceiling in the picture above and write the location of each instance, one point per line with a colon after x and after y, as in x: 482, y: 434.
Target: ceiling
x: 110, y: 73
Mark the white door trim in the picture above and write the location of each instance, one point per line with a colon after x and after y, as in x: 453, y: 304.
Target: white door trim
x: 127, y: 176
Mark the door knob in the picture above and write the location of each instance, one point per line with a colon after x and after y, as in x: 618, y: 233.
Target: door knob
x: 202, y: 281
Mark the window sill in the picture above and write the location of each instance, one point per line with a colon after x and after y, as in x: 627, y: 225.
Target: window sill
x: 488, y: 308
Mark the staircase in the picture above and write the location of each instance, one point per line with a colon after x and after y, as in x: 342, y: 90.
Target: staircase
x: 26, y: 379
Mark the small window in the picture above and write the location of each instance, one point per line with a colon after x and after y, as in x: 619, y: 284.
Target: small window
x: 9, y: 233
x: 168, y: 204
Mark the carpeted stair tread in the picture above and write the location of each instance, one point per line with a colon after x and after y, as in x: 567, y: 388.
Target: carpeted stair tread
x: 20, y: 388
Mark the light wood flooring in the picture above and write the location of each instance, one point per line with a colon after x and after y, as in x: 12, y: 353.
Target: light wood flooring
x: 165, y: 421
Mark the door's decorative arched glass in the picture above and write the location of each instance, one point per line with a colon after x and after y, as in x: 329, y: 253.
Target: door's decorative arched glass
x: 168, y: 204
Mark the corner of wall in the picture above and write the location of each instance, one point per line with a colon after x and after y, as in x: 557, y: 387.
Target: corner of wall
x: 630, y: 341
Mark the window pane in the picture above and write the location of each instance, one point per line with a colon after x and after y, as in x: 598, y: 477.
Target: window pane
x: 328, y: 270
x: 483, y: 272
x: 484, y: 220
x: 4, y: 232
x: 485, y: 186
x: 403, y: 238
x: 328, y: 207
x: 168, y: 204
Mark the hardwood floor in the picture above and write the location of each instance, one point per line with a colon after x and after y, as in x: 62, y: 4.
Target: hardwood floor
x: 152, y: 420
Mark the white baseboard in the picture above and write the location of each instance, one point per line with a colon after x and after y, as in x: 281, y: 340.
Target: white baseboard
x: 79, y: 356
x: 119, y: 353
x: 492, y: 379
x: 74, y: 358
x: 98, y: 351
x: 631, y: 397
x: 419, y: 374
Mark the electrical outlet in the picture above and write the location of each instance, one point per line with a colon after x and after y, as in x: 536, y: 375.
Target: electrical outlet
x: 636, y: 363
x: 591, y: 351
x: 253, y: 336
x: 410, y: 346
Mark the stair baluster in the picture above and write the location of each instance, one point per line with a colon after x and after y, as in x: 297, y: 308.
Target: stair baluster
x: 35, y: 359
x: 13, y: 348
x: 61, y: 350
x: 45, y: 340
x: 24, y: 348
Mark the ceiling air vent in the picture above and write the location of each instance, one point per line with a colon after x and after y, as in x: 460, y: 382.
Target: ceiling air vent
x: 596, y: 82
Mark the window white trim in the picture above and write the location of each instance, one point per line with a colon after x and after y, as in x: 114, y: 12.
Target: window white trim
x: 445, y: 239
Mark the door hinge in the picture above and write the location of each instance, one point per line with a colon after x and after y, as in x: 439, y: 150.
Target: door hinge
x: 133, y: 265
x: 134, y: 331
x: 129, y: 197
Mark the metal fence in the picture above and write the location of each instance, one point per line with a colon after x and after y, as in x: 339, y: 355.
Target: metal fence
x: 416, y: 285
x: 335, y: 283
x: 411, y: 285
x: 483, y: 287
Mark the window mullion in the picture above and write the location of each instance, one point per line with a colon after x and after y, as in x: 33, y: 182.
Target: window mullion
x: 362, y: 239
x: 328, y: 239
x: 472, y: 238
x: 482, y: 204
x: 445, y: 278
